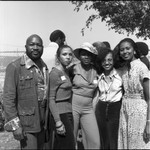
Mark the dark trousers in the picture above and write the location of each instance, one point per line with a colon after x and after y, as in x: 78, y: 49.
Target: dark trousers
x: 33, y: 141
x: 107, y: 115
x: 67, y: 141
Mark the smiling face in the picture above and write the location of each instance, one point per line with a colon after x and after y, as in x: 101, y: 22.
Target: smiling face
x: 85, y: 57
x: 108, y: 62
x: 65, y: 56
x: 126, y: 51
x: 34, y: 47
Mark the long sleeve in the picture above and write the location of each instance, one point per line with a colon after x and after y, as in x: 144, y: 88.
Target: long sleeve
x: 53, y: 86
x: 9, y: 99
x: 10, y: 93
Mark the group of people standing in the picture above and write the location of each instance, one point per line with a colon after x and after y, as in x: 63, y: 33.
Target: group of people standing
x: 100, y: 91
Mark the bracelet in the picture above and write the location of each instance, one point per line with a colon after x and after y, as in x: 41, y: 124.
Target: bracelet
x: 59, y: 126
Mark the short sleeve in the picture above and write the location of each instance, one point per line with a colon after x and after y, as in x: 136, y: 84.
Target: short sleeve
x: 144, y: 72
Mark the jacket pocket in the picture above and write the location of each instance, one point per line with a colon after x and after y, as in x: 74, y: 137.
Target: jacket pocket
x: 26, y: 81
x: 27, y: 117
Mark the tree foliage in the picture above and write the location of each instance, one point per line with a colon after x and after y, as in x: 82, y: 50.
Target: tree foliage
x: 132, y: 17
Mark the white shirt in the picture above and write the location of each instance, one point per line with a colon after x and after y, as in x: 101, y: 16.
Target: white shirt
x: 49, y: 54
x: 110, y: 92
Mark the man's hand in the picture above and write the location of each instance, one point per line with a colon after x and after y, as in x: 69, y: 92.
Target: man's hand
x: 18, y: 134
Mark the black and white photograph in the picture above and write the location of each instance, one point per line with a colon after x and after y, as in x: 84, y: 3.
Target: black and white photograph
x: 74, y: 75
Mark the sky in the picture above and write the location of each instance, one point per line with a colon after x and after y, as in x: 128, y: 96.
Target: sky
x: 20, y: 19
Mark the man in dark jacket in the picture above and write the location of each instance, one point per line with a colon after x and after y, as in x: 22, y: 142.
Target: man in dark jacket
x: 24, y: 96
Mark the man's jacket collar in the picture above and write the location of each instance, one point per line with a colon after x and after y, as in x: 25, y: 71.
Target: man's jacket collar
x: 25, y: 60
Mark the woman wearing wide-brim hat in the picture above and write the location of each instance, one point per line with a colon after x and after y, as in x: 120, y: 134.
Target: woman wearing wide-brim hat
x: 84, y: 85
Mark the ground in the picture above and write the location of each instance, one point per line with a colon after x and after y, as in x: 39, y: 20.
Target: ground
x: 7, y: 142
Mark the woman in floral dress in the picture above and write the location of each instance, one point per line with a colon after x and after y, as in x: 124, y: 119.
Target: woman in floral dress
x: 134, y: 125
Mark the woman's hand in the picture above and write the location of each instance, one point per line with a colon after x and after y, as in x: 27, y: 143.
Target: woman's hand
x: 60, y: 128
x: 18, y: 134
x: 146, y: 134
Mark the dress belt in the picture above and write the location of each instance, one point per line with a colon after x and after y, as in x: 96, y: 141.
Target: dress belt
x: 134, y: 96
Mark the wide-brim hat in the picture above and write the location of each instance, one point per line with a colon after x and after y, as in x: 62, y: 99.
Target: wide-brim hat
x: 85, y: 46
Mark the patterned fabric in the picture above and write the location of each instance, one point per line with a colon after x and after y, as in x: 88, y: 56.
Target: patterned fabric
x: 134, y: 108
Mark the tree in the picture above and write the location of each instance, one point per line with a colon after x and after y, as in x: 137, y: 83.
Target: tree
x: 132, y: 17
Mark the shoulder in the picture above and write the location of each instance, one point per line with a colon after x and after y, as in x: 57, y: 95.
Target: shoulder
x: 117, y: 73
x: 145, y: 61
x: 140, y: 68
x: 52, y: 46
x: 15, y: 63
x: 13, y: 67
x: 54, y: 76
x: 138, y: 64
x: 54, y: 72
x: 76, y: 67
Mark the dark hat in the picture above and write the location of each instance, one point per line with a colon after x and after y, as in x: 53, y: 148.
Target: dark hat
x: 107, y: 44
x: 142, y: 47
x: 99, y: 45
x: 103, y: 52
x: 85, y: 46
